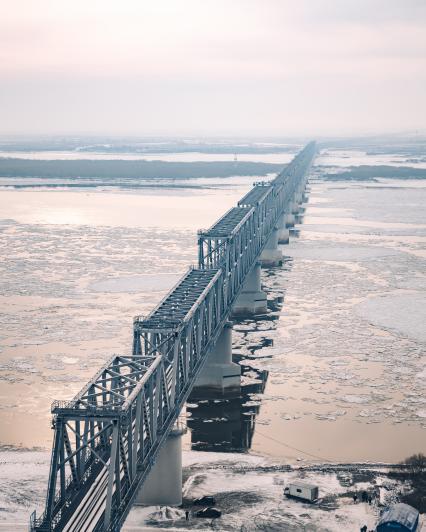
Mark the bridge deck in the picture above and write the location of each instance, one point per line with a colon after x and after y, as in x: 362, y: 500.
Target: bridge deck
x: 255, y: 196
x: 228, y: 224
x: 298, y: 165
x: 173, y: 309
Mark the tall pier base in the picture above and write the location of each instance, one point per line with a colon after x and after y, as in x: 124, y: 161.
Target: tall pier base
x: 163, y: 486
x: 219, y: 374
x: 298, y: 197
x: 283, y: 235
x: 294, y: 207
x: 251, y: 301
x: 271, y: 254
x: 290, y: 220
x: 283, y: 232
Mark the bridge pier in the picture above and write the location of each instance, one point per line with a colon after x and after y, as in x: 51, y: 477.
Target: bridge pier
x: 219, y: 374
x: 283, y: 232
x: 163, y: 485
x: 303, y: 190
x: 284, y: 235
x: 290, y: 220
x: 252, y: 300
x: 294, y: 206
x: 271, y: 254
x: 302, y: 198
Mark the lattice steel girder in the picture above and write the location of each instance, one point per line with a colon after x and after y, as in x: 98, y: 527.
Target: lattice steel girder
x: 232, y: 251
x: 104, y: 396
x: 256, y: 195
x: 299, y: 165
x: 178, y: 306
x: 114, y: 451
x: 229, y: 224
x: 107, y: 437
x: 97, y: 441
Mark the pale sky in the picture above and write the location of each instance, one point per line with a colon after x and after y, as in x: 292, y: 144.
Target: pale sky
x: 212, y: 67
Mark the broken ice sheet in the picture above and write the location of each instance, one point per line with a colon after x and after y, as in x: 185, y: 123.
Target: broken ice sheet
x: 330, y: 416
x: 323, y: 348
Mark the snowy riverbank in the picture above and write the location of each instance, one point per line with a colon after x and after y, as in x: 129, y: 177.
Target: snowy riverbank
x: 248, y: 490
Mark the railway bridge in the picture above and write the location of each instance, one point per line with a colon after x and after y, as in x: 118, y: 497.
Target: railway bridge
x: 117, y: 442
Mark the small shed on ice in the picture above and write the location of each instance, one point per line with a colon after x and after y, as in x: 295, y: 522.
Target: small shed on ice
x: 399, y: 518
x: 302, y: 490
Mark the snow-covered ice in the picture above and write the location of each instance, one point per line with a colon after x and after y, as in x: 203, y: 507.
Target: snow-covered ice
x: 403, y: 313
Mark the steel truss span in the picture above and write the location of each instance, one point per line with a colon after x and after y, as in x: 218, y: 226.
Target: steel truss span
x: 108, y: 437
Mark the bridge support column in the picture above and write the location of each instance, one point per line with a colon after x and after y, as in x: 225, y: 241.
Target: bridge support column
x: 294, y: 207
x: 283, y: 232
x: 298, y: 197
x: 284, y: 235
x: 289, y: 220
x: 219, y: 374
x: 252, y: 300
x: 163, y: 486
x: 303, y: 189
x: 271, y: 254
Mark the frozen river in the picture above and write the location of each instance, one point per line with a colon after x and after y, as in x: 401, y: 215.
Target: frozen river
x: 335, y: 372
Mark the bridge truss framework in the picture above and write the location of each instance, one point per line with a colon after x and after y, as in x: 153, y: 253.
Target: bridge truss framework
x: 108, y: 437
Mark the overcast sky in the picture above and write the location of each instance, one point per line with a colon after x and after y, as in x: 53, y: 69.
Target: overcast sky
x: 212, y: 67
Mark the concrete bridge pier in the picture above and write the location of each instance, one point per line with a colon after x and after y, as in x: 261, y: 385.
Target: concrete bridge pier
x: 306, y: 192
x: 251, y: 301
x: 290, y: 219
x: 294, y: 207
x: 298, y: 206
x: 163, y: 486
x: 219, y: 374
x: 283, y: 232
x: 303, y: 188
x: 271, y: 254
x: 298, y: 197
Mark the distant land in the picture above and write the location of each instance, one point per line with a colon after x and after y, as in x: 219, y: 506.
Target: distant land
x: 137, y: 171
x: 370, y: 172
x: 147, y: 145
x: 140, y: 169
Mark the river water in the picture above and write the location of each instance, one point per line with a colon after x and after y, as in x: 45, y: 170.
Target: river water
x: 335, y: 371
